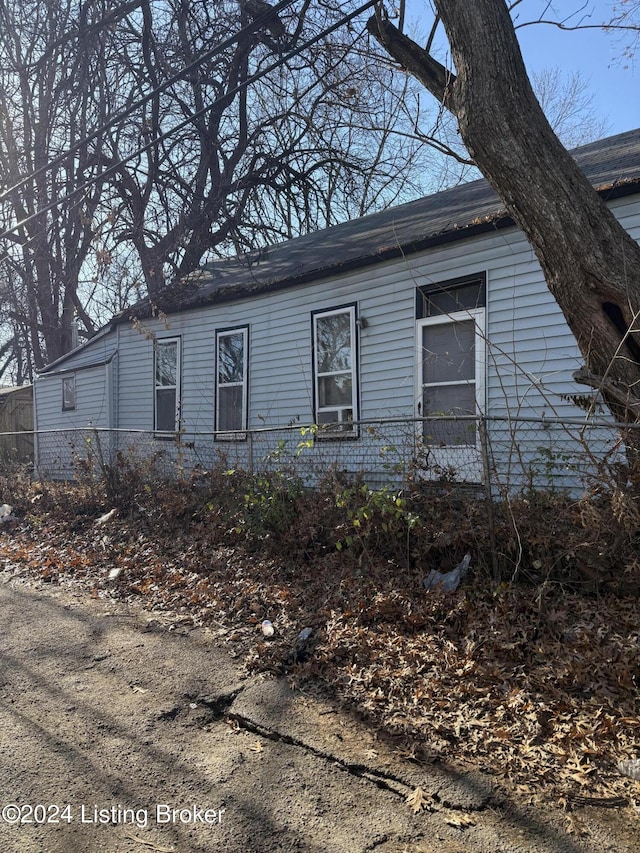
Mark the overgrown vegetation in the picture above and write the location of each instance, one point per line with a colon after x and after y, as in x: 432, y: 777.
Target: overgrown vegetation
x: 543, y: 536
x: 535, y: 680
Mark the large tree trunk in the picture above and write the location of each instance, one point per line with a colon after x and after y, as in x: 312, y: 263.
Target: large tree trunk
x: 590, y: 263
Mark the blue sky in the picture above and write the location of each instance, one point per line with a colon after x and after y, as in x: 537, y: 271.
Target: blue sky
x: 594, y: 53
x: 597, y: 55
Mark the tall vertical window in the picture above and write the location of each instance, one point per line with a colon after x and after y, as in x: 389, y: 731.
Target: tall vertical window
x: 69, y: 393
x: 335, y: 371
x: 231, y: 382
x: 167, y: 385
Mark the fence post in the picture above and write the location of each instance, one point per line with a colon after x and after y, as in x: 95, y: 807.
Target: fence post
x: 488, y: 496
x: 250, y: 450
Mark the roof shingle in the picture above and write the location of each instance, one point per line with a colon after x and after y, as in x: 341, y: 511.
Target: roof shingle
x: 612, y: 165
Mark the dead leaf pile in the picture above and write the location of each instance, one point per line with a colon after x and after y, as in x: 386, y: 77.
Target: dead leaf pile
x: 539, y: 686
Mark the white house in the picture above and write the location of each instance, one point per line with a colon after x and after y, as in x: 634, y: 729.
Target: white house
x: 436, y: 307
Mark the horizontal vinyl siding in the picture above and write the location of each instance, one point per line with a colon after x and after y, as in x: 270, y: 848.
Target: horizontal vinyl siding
x: 627, y: 211
x: 280, y: 375
x: 98, y: 350
x: 65, y: 437
x: 387, y: 344
x: 531, y: 353
x: 92, y: 400
x: 135, y: 375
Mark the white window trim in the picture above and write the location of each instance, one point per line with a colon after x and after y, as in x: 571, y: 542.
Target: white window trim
x: 329, y: 433
x: 236, y: 435
x: 478, y: 315
x: 177, y: 386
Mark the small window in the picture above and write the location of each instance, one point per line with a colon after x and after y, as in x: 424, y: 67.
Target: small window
x: 451, y: 297
x: 167, y: 385
x: 335, y: 372
x: 69, y: 393
x: 231, y: 383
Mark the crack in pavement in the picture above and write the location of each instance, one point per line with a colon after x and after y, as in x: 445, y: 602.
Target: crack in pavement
x: 109, y: 711
x: 220, y: 709
x: 217, y: 706
x: 377, y: 777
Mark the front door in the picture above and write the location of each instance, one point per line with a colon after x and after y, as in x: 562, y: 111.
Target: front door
x: 450, y: 394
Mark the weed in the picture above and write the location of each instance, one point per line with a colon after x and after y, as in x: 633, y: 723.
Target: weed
x: 377, y: 520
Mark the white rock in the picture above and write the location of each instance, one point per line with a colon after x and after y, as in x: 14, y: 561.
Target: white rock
x: 630, y: 768
x: 107, y: 516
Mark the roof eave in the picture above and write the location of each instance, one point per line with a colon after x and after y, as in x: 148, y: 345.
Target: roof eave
x: 53, y: 365
x: 482, y: 225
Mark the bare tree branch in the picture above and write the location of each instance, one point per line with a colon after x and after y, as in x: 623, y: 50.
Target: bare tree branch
x: 431, y: 73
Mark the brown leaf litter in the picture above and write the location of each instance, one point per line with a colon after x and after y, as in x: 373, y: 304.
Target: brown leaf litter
x: 536, y: 685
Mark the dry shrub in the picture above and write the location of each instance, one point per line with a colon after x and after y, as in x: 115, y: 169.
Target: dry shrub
x: 588, y: 543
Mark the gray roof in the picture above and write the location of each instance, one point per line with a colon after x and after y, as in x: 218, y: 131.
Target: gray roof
x: 612, y: 165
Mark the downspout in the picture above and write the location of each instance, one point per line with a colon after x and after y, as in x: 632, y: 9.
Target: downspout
x: 114, y: 390
x: 108, y: 379
x: 116, y: 382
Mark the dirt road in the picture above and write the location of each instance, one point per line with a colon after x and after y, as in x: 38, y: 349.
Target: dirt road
x: 122, y: 731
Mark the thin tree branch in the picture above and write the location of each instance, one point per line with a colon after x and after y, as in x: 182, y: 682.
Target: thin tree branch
x: 606, y: 386
x: 566, y: 27
x: 432, y: 34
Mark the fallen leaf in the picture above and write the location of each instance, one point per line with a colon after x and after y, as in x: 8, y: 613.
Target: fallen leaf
x: 459, y: 820
x: 419, y: 800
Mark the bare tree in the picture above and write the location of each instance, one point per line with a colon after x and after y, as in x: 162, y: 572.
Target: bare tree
x: 284, y: 128
x: 228, y: 168
x: 49, y: 87
x: 626, y: 22
x: 593, y: 271
x: 568, y: 105
x: 204, y: 165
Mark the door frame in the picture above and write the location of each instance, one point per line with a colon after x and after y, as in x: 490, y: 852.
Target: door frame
x: 468, y: 456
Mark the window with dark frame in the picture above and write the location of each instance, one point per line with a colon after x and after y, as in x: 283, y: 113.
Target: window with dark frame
x: 69, y: 393
x: 167, y: 385
x: 451, y: 296
x: 232, y: 359
x: 335, y: 372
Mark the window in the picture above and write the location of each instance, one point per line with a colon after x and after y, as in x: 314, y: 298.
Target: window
x: 69, y: 393
x: 450, y: 339
x: 231, y: 382
x: 335, y: 371
x: 451, y: 297
x: 167, y: 385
